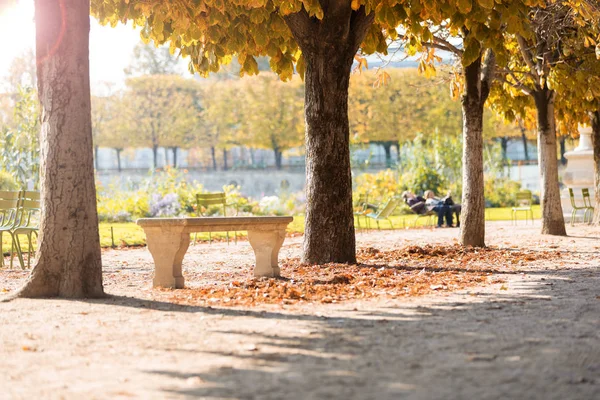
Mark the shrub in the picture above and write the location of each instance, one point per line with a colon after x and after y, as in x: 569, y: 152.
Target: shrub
x: 7, y: 182
x: 500, y: 192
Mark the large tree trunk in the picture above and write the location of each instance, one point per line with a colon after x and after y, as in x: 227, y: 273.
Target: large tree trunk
x: 119, y: 159
x: 328, y: 47
x: 213, y: 155
x: 68, y: 263
x: 553, y: 222
x: 595, y: 120
x: 472, y: 228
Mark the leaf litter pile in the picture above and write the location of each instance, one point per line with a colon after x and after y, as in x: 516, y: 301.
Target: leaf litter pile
x: 410, y: 271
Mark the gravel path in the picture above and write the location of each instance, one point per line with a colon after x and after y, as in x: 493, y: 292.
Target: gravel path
x: 535, y: 336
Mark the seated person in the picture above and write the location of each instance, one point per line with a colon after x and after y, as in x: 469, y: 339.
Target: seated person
x: 416, y: 203
x: 440, y: 207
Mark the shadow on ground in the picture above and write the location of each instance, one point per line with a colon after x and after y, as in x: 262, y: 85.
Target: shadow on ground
x: 540, y: 344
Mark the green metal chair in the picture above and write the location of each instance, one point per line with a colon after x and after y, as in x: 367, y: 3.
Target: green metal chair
x: 361, y: 208
x: 430, y: 218
x: 384, y: 212
x: 27, y: 223
x: 587, y: 202
x: 523, y: 203
x: 9, y: 202
x: 576, y: 208
x: 219, y: 199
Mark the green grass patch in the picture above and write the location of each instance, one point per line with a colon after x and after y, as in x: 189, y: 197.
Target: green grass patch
x: 130, y: 234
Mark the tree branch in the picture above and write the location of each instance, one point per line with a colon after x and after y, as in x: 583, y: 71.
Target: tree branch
x: 360, y: 23
x: 527, y: 57
x: 487, y: 74
x: 447, y: 46
x: 301, y: 26
x: 517, y: 85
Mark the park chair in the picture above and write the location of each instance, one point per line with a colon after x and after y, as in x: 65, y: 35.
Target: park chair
x: 27, y: 223
x: 430, y: 218
x: 9, y: 202
x: 219, y: 199
x: 576, y: 208
x: 587, y: 202
x: 384, y: 212
x: 523, y: 203
x: 362, y: 207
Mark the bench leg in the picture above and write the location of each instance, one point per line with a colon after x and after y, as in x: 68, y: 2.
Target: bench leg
x: 266, y: 245
x: 168, y: 249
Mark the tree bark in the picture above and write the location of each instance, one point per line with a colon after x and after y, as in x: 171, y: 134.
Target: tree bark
x: 68, y: 262
x: 525, y: 147
x: 504, y: 146
x: 155, y: 156
x: 225, y: 166
x: 278, y: 159
x: 397, y: 146
x: 563, y: 150
x: 213, y: 156
x: 553, y: 222
x: 472, y: 228
x: 96, y: 157
x: 174, y: 151
x: 119, y: 159
x: 328, y: 47
x: 524, y: 139
x: 595, y: 120
x: 387, y: 147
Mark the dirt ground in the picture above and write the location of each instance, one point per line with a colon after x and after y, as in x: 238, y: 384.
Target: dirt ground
x: 536, y: 335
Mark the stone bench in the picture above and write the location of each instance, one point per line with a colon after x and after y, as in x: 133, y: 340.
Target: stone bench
x: 168, y: 240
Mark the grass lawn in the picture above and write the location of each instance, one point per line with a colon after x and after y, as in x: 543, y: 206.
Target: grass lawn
x: 130, y: 234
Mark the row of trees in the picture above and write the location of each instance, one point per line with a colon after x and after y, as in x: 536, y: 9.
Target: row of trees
x: 321, y: 39
x: 262, y: 112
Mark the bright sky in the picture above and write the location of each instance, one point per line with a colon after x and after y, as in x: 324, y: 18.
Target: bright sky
x: 110, y: 48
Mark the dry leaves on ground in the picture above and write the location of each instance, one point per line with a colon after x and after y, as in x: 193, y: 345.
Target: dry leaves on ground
x: 411, y: 271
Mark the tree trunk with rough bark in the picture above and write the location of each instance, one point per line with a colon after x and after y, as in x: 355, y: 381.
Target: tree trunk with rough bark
x: 472, y: 228
x: 553, y: 222
x: 119, y: 159
x: 329, y: 47
x: 96, y: 157
x: 68, y: 261
x: 595, y: 120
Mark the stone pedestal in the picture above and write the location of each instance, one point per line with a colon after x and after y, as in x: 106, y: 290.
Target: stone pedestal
x: 579, y: 173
